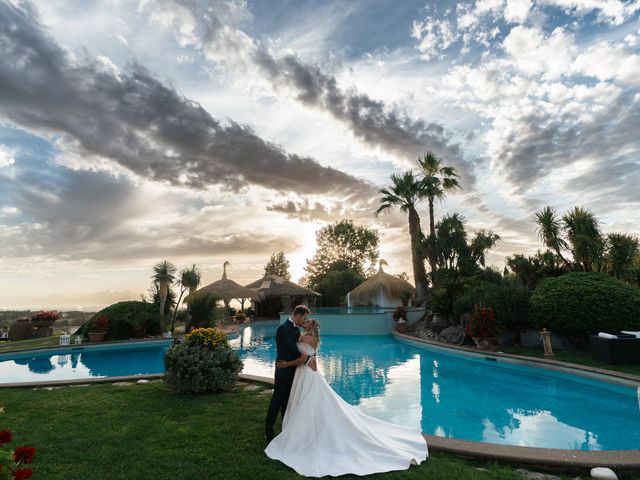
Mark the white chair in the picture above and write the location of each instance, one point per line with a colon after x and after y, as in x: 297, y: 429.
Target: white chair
x: 65, y: 339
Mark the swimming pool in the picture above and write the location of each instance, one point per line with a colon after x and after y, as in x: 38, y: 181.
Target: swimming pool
x: 84, y: 361
x: 444, y: 394
x: 450, y: 395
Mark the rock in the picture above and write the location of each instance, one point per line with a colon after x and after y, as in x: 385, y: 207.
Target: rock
x: 452, y: 334
x: 506, y: 338
x: 252, y: 387
x: 268, y: 391
x: 122, y: 384
x: 439, y: 323
x: 602, y: 473
x: 80, y: 385
x: 536, y: 475
x: 142, y: 381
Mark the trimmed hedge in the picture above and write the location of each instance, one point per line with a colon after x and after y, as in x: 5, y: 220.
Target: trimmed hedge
x: 132, y: 319
x: 580, y: 304
x: 509, y: 301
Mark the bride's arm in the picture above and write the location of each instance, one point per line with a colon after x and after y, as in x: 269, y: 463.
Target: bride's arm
x: 308, y: 339
x: 301, y: 359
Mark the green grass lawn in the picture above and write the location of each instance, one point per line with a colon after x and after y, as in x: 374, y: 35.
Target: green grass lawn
x: 140, y: 432
x: 580, y: 357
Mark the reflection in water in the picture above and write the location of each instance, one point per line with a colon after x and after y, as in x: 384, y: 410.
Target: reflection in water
x: 39, y: 364
x: 539, y: 428
x: 467, y: 398
x: 85, y: 364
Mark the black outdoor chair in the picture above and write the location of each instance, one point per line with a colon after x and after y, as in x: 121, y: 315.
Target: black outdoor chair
x: 623, y: 350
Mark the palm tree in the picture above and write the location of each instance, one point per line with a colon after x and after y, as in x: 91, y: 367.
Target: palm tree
x: 405, y: 192
x: 549, y: 231
x: 163, y: 276
x: 438, y: 181
x: 451, y: 241
x: 189, y: 280
x: 622, y: 249
x: 583, y: 232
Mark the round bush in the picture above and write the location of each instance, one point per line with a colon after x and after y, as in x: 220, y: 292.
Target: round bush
x: 509, y: 301
x: 579, y: 304
x: 131, y: 319
x: 204, y: 362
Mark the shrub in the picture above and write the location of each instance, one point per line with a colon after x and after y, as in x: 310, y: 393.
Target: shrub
x: 509, y: 301
x: 482, y: 323
x: 203, y: 310
x: 204, y: 362
x: 579, y: 304
x: 126, y: 320
x: 441, y: 301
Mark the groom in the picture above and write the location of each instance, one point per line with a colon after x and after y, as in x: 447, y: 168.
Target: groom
x: 287, y: 336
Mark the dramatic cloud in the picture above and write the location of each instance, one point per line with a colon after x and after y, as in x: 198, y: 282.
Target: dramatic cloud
x: 370, y: 120
x: 136, y: 121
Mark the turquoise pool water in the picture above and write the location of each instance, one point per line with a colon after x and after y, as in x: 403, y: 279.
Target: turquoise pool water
x: 462, y: 397
x: 78, y: 362
x: 443, y: 394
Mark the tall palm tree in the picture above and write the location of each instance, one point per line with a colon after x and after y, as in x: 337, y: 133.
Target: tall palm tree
x: 549, y: 231
x: 583, y: 232
x: 189, y: 280
x: 405, y: 192
x: 438, y: 181
x: 622, y: 249
x: 163, y: 276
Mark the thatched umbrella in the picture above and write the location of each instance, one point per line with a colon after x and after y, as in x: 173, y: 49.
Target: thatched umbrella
x: 379, y: 288
x: 276, y: 286
x: 226, y: 289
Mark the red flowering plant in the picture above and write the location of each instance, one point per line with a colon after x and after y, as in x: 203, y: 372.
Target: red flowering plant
x: 12, y: 461
x: 46, y: 315
x: 100, y: 324
x: 482, y: 323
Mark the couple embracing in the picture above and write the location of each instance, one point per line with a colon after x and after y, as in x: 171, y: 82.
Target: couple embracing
x: 321, y: 433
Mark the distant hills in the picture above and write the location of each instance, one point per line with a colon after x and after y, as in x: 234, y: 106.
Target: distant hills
x: 67, y: 318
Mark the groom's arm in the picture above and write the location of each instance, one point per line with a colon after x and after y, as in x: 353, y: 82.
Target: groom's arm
x: 287, y: 343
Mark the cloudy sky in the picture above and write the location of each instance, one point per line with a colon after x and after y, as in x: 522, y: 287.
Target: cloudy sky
x: 133, y: 131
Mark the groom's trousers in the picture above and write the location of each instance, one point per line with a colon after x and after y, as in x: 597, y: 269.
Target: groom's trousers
x: 279, y: 399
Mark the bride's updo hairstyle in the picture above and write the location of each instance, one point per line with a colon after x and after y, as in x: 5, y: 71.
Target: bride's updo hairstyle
x: 314, y: 330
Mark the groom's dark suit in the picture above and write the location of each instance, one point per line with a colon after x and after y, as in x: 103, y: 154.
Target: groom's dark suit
x: 287, y: 336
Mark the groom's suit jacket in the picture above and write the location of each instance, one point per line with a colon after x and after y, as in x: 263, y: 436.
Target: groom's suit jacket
x: 287, y: 336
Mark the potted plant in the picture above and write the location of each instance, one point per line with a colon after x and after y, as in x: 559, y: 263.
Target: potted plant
x: 98, y: 328
x: 44, y: 319
x: 400, y: 316
x: 240, y: 317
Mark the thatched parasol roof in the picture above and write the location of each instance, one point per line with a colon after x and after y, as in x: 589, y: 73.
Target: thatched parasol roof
x: 392, y: 286
x: 226, y: 289
x: 273, y: 285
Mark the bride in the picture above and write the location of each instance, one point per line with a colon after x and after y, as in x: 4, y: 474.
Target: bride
x: 324, y: 435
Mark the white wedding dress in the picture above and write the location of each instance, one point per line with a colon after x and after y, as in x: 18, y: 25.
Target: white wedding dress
x: 324, y: 435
